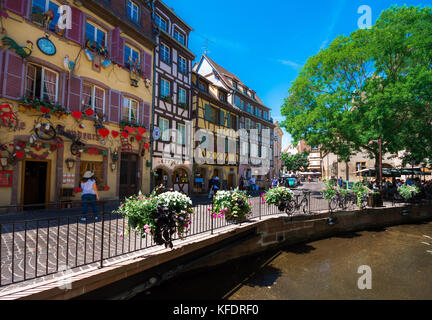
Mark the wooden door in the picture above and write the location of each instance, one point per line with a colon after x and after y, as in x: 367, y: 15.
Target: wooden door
x: 35, y: 184
x: 128, y: 175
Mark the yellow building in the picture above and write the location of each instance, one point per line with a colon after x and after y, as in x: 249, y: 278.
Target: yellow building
x: 96, y: 106
x: 213, y: 116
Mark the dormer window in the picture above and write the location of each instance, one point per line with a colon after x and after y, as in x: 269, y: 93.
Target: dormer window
x: 161, y: 22
x: 235, y: 85
x: 179, y: 37
x: 245, y: 91
x: 253, y: 95
x: 202, y: 86
x: 132, y: 11
x: 222, y: 96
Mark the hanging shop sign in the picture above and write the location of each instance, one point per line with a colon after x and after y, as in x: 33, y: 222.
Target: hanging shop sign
x: 46, y: 46
x: 156, y: 133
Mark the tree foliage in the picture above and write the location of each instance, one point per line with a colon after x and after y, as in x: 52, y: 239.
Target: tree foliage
x: 374, y: 84
x: 296, y: 162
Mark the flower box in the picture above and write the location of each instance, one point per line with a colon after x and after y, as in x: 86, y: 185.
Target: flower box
x: 232, y: 205
x: 159, y: 215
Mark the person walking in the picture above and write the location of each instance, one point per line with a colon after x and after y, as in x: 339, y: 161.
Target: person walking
x: 275, y: 182
x: 89, y: 193
x: 211, y: 183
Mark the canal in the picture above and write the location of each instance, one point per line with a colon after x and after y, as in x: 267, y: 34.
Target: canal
x: 399, y: 257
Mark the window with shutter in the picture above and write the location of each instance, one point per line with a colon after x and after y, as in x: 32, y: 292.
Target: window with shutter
x: 222, y: 118
x: 147, y: 59
x: 74, y: 96
x: 146, y: 109
x: 207, y: 112
x: 114, y: 108
x: 229, y: 120
x: 13, y: 77
x: 16, y: 6
x: 115, y: 45
x: 75, y: 33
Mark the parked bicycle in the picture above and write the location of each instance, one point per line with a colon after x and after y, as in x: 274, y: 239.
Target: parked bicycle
x: 295, y: 204
x: 347, y: 201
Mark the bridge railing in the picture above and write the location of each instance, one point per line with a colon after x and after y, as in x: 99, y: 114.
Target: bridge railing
x: 66, y: 239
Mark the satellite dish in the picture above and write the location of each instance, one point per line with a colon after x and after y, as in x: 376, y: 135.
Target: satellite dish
x: 156, y: 133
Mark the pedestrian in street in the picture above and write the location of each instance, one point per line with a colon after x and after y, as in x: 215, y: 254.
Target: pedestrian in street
x: 211, y: 183
x: 339, y: 181
x: 241, y: 183
x: 275, y: 182
x: 89, y: 193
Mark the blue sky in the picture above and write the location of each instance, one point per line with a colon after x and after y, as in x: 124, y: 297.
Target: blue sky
x: 265, y: 43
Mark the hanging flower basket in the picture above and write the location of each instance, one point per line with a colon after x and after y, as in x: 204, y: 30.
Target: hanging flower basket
x: 232, y: 205
x: 160, y: 215
x: 278, y: 196
x: 408, y: 192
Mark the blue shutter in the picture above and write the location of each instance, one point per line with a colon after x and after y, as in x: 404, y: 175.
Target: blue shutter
x: 229, y: 120
x: 222, y: 118
x: 207, y: 113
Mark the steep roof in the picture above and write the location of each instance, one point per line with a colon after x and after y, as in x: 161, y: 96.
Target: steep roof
x: 227, y: 77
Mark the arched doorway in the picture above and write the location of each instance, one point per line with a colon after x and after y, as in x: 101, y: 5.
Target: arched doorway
x: 181, y: 180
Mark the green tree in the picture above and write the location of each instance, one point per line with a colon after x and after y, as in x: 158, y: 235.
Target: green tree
x: 375, y: 84
x: 296, y: 162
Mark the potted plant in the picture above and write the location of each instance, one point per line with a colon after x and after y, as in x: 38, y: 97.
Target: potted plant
x: 278, y: 196
x: 159, y: 215
x: 232, y: 205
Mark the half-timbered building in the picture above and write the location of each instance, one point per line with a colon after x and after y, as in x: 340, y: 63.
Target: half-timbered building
x: 253, y: 114
x: 172, y: 165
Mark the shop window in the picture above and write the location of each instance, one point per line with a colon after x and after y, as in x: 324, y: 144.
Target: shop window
x: 97, y: 168
x: 181, y: 176
x: 41, y: 83
x: 94, y: 98
x: 130, y: 110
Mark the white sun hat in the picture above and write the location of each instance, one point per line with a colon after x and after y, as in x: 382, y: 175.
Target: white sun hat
x: 88, y: 174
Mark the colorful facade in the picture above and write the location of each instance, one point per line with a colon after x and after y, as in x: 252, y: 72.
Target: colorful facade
x: 215, y: 123
x: 81, y: 99
x: 251, y: 114
x: 172, y: 166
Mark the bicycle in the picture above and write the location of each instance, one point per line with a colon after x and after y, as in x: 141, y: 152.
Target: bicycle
x: 77, y: 145
x: 289, y: 206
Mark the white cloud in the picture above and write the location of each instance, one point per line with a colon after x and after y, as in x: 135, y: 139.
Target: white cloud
x: 290, y: 63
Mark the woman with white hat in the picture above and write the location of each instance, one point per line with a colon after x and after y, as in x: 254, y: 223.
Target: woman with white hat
x: 89, y: 192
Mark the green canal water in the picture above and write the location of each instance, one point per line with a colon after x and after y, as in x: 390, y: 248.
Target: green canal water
x: 399, y: 258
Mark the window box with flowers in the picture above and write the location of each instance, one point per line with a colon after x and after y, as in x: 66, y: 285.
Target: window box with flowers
x: 182, y: 105
x: 160, y: 215
x: 167, y: 98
